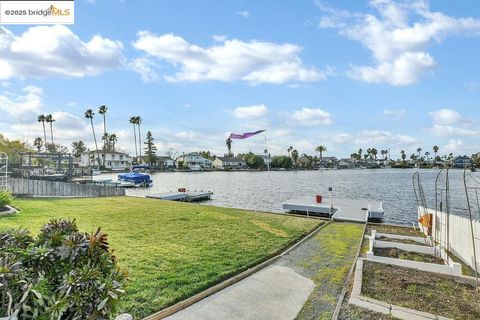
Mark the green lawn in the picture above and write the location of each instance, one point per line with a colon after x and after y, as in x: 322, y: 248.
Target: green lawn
x: 171, y: 250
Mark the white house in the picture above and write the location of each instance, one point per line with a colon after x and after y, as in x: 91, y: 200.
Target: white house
x: 195, y: 161
x: 266, y: 159
x: 229, y: 162
x: 114, y: 160
x: 165, y: 162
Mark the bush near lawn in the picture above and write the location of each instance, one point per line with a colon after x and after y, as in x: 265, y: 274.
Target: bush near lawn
x: 63, y: 274
x: 171, y: 250
x: 5, y: 199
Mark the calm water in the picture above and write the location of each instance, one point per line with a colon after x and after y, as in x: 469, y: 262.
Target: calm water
x: 266, y: 191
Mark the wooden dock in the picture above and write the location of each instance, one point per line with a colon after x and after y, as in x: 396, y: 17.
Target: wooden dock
x: 343, y: 209
x: 188, y: 196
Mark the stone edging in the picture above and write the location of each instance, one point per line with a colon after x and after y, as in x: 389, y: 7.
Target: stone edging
x: 11, y: 210
x: 347, y: 279
x: 357, y: 299
x: 230, y: 281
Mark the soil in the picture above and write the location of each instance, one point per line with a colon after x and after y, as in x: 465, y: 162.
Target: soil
x: 420, y: 290
x: 406, y: 255
x: 406, y: 241
x: 392, y: 229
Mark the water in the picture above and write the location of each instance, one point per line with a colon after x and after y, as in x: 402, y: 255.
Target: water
x: 266, y: 191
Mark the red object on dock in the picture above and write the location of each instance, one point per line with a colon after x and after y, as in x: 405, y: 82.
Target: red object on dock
x: 182, y: 189
x: 318, y: 198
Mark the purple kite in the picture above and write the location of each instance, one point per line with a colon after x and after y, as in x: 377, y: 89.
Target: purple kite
x: 245, y: 135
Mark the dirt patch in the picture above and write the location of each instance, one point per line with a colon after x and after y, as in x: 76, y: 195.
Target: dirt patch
x: 420, y: 290
x: 406, y: 255
x: 265, y: 226
x: 392, y: 229
x: 406, y: 241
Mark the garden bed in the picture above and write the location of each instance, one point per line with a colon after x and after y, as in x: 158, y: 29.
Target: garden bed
x: 171, y: 250
x: 393, y: 229
x: 421, y: 291
x: 407, y: 255
x: 406, y: 241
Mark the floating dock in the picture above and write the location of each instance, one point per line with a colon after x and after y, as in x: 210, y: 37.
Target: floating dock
x: 341, y: 209
x: 188, y: 196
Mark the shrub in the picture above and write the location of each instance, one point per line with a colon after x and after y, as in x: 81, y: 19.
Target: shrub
x: 63, y: 274
x: 5, y: 199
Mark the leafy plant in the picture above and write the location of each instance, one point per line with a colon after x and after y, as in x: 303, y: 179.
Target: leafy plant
x: 63, y: 274
x: 5, y: 198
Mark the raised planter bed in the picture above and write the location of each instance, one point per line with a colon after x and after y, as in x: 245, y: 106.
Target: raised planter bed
x: 407, y: 255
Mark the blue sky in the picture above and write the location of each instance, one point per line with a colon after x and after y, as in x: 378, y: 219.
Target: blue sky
x: 345, y: 74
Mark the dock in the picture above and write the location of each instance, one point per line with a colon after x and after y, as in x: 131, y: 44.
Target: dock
x: 341, y: 209
x: 187, y: 196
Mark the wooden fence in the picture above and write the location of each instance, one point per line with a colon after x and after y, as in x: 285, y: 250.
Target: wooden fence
x: 42, y: 188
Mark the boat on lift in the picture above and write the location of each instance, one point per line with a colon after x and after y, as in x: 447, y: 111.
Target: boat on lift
x: 136, y: 177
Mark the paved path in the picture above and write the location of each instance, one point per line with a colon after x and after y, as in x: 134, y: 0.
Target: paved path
x: 301, y: 283
x: 273, y: 293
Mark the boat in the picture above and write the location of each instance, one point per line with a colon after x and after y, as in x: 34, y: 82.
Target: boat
x: 138, y: 179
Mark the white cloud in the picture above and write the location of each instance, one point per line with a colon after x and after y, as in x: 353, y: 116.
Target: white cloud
x: 186, y: 135
x: 219, y: 37
x: 311, y: 117
x: 442, y: 130
x: 244, y: 13
x: 230, y: 60
x: 445, y: 116
x: 251, y: 112
x: 342, y: 138
x: 146, y: 68
x: 44, y: 51
x: 379, y: 137
x: 453, y: 146
x: 22, y: 105
x: 395, y: 114
x: 398, y: 36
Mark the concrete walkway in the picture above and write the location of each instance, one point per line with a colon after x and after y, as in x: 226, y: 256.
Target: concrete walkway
x: 276, y: 293
x: 301, y: 283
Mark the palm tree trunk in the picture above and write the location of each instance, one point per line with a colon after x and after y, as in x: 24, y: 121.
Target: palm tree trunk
x: 51, y: 131
x: 44, y: 135
x: 95, y: 139
x: 139, y: 142
x: 135, y: 138
x: 104, y: 139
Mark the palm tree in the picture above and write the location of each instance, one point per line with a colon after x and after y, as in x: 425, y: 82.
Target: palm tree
x: 295, y: 156
x: 321, y: 150
x: 228, y: 142
x: 374, y: 153
x: 404, y: 156
x: 427, y: 155
x: 290, y: 151
x: 133, y: 121
x: 41, y: 118
x: 89, y: 115
x: 360, y: 151
x: 38, y: 143
x: 418, y: 151
x: 103, y: 111
x: 113, y: 139
x: 435, y: 150
x: 138, y: 121
x: 369, y: 153
x: 49, y: 119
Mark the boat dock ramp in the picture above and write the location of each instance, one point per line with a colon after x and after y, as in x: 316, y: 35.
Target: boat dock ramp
x: 185, y: 196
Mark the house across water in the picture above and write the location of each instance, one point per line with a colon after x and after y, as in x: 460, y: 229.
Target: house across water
x: 114, y: 160
x: 229, y: 163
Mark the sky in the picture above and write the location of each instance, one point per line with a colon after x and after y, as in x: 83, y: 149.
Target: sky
x: 395, y: 75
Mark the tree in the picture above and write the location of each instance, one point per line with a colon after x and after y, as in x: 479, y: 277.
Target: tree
x: 418, y: 151
x: 41, y: 118
x: 427, y: 155
x: 78, y: 147
x: 150, y: 150
x: 295, y: 156
x: 284, y: 162
x: 13, y: 148
x: 289, y: 150
x: 38, y: 143
x: 89, y: 115
x: 360, y: 151
x: 138, y: 121
x: 49, y: 119
x: 404, y: 156
x: 435, y: 150
x: 103, y: 111
x: 253, y: 161
x: 321, y: 150
x: 374, y: 153
x: 413, y: 157
x: 228, y: 142
x: 133, y: 121
x: 113, y: 139
x: 207, y: 155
